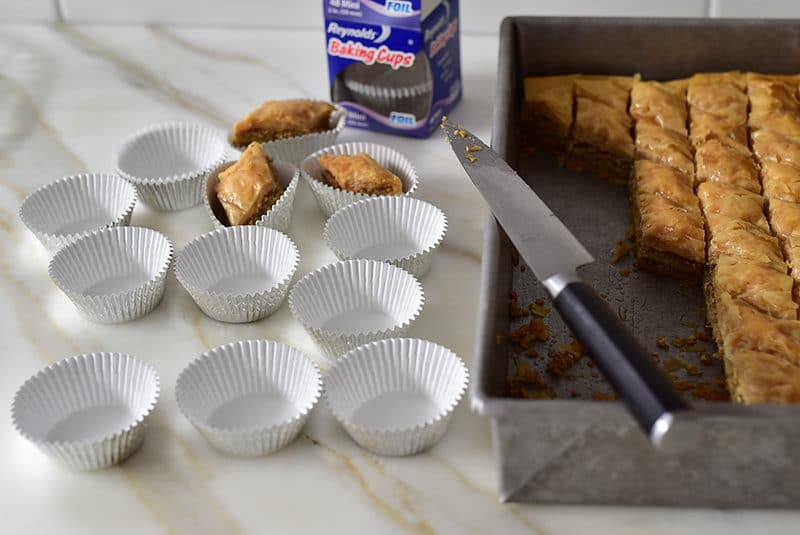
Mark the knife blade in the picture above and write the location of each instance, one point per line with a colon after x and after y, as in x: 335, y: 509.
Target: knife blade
x: 553, y: 254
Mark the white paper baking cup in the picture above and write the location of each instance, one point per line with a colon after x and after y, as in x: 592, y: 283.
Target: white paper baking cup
x: 238, y: 274
x: 331, y: 199
x: 62, y: 211
x: 114, y: 275
x: 347, y: 304
x: 167, y: 163
x: 295, y: 149
x: 88, y: 411
x: 402, y: 231
x: 396, y: 396
x: 279, y: 217
x: 250, y: 397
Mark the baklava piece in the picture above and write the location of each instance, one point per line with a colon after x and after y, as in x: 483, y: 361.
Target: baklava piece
x: 548, y: 111
x: 780, y: 181
x: 663, y: 104
x: 736, y: 203
x: 359, y: 173
x: 774, y: 104
x: 280, y: 119
x: 769, y: 146
x: 715, y: 162
x: 663, y: 146
x: 670, y: 237
x: 248, y: 189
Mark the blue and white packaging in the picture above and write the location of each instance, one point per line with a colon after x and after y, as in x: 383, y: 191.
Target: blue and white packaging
x: 394, y: 65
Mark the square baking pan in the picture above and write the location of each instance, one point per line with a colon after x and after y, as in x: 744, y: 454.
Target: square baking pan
x: 581, y: 448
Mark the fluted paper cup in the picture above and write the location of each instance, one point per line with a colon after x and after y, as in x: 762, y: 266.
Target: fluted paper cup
x: 250, y: 397
x: 278, y: 217
x: 238, y: 274
x: 396, y: 396
x: 347, y: 304
x: 114, y: 275
x: 89, y: 411
x: 331, y: 199
x: 295, y: 149
x: 402, y: 231
x: 62, y: 211
x: 168, y: 163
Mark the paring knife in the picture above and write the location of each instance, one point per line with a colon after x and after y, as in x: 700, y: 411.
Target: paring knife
x: 554, y: 254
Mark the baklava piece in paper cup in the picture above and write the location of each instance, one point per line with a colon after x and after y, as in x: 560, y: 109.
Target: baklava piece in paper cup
x: 114, y: 275
x: 295, y: 149
x: 250, y: 397
x: 331, y: 199
x: 402, y: 231
x: 396, y: 396
x: 278, y: 217
x: 64, y: 210
x: 238, y: 274
x: 347, y: 304
x: 168, y: 163
x: 89, y: 411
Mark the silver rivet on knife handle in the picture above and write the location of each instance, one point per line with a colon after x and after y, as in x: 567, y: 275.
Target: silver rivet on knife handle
x: 556, y: 284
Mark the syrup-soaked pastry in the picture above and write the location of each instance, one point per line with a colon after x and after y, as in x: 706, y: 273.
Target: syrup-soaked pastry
x: 780, y: 181
x: 714, y: 162
x: 359, y: 173
x: 280, y: 119
x: 769, y: 146
x: 735, y: 203
x: 548, y: 111
x: 663, y: 146
x: 660, y: 103
x: 247, y: 189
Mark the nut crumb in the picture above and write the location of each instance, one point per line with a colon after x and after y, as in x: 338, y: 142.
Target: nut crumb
x: 662, y: 342
x: 473, y: 148
x: 532, y: 331
x: 538, y: 310
x: 471, y: 158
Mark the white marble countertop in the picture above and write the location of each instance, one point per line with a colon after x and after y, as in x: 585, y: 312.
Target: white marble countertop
x: 68, y: 97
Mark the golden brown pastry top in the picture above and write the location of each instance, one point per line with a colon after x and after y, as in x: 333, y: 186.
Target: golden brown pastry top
x: 714, y: 162
x: 666, y: 227
x: 707, y: 127
x: 773, y: 92
x: 244, y: 186
x: 735, y: 78
x: 660, y: 103
x: 736, y: 203
x: 603, y: 127
x: 780, y: 181
x: 553, y: 98
x: 785, y: 219
x: 756, y: 284
x: 769, y: 146
x: 763, y: 378
x: 724, y: 100
x: 278, y: 119
x: 359, y: 173
x: 668, y: 182
x: 612, y: 91
x: 663, y: 146
x: 743, y: 240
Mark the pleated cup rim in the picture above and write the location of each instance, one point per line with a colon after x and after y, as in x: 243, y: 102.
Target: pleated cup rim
x: 70, y: 361
x: 194, y: 289
x: 219, y: 352
x: 336, y: 335
x: 164, y: 265
x: 337, y: 119
x: 278, y: 206
x: 359, y: 205
x: 369, y: 350
x: 72, y: 236
x: 178, y: 177
x: 353, y: 147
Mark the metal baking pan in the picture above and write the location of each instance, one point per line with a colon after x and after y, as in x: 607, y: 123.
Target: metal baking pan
x: 574, y: 449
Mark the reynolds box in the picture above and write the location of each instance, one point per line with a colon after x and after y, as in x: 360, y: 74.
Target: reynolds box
x: 394, y: 64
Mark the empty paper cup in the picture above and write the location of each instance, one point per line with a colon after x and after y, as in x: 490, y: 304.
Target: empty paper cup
x: 330, y: 199
x: 396, y: 396
x: 295, y: 149
x: 238, y: 274
x: 168, y: 163
x: 88, y: 411
x: 114, y: 275
x: 250, y: 397
x: 278, y: 217
x: 62, y: 211
x: 347, y: 304
x: 402, y: 231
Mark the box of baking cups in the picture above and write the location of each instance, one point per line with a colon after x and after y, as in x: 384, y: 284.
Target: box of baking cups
x: 394, y: 65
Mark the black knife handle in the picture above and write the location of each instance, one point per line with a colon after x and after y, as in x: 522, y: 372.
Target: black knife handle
x: 620, y: 357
